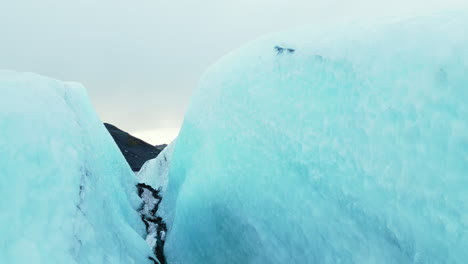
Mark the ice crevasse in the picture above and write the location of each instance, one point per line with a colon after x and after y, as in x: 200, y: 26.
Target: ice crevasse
x: 344, y: 144
x: 66, y: 193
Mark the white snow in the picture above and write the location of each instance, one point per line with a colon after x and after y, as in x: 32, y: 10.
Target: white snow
x: 155, y: 171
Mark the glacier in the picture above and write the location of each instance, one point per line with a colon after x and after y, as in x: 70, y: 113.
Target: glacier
x: 333, y: 144
x: 155, y: 172
x: 66, y: 193
x: 153, y: 180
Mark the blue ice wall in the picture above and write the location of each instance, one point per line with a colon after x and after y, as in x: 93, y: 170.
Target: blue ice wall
x: 66, y: 193
x: 344, y: 144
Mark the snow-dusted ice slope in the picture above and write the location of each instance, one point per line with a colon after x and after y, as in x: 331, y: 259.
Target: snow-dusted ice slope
x: 155, y: 171
x: 66, y: 193
x: 155, y: 174
x: 353, y: 148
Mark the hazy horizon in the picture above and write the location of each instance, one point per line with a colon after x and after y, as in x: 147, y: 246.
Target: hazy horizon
x: 140, y: 61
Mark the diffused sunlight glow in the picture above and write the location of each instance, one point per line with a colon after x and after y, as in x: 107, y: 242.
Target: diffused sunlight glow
x: 157, y: 136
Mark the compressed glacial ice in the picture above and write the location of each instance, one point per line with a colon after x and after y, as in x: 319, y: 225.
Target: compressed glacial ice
x: 153, y: 178
x: 344, y: 144
x: 155, y: 171
x: 66, y: 193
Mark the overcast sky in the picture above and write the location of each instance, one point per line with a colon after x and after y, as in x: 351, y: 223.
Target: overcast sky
x: 141, y: 59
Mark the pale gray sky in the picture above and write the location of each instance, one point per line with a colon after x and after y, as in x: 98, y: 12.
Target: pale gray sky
x: 141, y: 59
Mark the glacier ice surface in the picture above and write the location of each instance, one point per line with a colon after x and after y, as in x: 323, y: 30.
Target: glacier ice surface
x: 155, y: 171
x: 153, y: 178
x: 66, y: 193
x: 353, y: 148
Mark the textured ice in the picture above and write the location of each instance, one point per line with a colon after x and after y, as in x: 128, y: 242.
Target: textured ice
x: 66, y: 193
x: 350, y: 147
x: 155, y: 171
x: 153, y: 178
